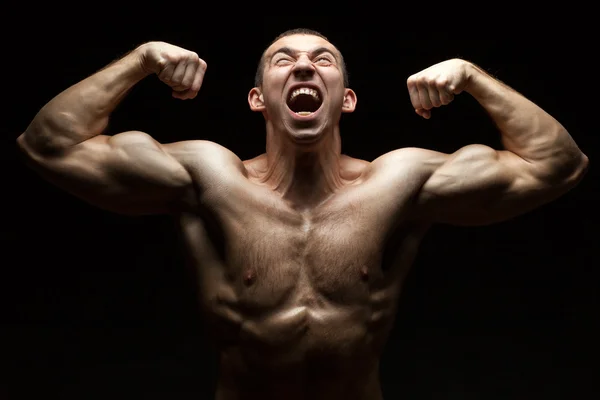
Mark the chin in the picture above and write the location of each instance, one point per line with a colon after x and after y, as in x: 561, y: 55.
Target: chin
x: 306, y: 139
x: 306, y: 135
x: 307, y: 128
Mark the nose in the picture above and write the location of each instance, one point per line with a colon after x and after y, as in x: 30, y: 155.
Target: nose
x: 303, y: 68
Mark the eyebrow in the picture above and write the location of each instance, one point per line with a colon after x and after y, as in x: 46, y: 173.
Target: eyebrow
x: 313, y: 53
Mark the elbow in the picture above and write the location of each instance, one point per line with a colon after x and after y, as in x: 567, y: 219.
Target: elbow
x: 583, y: 165
x: 28, y: 152
x: 562, y: 172
x: 569, y: 174
x: 47, y: 135
x: 24, y: 145
x: 574, y: 164
x: 21, y: 145
x: 33, y: 145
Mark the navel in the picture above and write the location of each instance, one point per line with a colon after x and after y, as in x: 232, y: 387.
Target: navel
x: 249, y: 277
x: 364, y: 273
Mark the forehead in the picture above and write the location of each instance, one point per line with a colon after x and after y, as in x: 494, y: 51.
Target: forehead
x: 300, y: 43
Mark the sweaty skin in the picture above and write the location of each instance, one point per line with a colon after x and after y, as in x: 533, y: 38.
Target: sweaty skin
x: 300, y: 254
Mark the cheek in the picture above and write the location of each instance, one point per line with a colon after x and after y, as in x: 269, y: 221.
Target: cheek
x: 278, y: 76
x: 336, y: 96
x: 335, y: 85
x: 274, y: 88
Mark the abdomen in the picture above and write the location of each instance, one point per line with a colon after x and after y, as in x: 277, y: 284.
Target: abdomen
x: 304, y: 351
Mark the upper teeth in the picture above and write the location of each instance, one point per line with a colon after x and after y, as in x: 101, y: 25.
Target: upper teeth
x: 309, y: 91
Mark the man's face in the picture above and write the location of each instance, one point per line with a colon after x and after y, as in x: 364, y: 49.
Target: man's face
x: 303, y: 87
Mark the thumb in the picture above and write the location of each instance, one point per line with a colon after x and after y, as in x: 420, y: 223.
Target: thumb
x: 423, y: 113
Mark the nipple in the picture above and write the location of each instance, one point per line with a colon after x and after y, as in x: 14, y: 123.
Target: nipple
x: 249, y: 277
x: 364, y: 273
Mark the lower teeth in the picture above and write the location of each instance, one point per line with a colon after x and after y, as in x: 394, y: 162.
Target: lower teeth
x: 303, y: 113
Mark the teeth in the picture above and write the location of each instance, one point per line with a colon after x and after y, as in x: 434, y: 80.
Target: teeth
x: 303, y: 113
x: 308, y: 91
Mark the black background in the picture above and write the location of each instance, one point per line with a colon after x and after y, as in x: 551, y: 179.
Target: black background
x: 96, y: 305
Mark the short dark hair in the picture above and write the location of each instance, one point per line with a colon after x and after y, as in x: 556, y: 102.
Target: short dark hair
x: 258, y: 78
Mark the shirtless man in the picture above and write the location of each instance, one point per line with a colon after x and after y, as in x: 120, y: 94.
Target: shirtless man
x: 300, y: 253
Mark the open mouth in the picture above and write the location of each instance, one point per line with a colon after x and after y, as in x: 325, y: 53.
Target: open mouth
x: 304, y: 101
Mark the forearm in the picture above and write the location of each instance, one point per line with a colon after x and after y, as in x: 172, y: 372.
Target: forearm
x: 526, y: 129
x: 82, y: 111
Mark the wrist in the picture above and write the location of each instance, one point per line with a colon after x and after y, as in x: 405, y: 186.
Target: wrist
x: 472, y: 74
x: 475, y: 77
x: 139, y: 60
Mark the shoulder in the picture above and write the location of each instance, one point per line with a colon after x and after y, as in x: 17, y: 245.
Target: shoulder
x: 201, y: 156
x: 352, y: 168
x: 212, y: 168
x: 409, y: 159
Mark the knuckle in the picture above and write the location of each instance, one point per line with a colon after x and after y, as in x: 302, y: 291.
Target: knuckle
x: 188, y: 58
x: 161, y: 63
x: 422, y: 81
x: 441, y: 82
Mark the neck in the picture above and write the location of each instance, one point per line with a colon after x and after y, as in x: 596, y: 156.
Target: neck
x: 305, y: 175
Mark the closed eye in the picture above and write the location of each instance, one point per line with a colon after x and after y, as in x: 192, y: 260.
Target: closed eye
x: 283, y: 61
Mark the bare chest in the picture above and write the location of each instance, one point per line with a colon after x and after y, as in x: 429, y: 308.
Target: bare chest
x: 253, y: 249
x: 333, y: 259
x: 263, y: 258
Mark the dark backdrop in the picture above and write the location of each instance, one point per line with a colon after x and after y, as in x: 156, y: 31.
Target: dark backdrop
x: 95, y: 305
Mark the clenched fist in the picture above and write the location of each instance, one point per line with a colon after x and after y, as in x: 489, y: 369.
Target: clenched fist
x: 437, y: 85
x: 179, y: 68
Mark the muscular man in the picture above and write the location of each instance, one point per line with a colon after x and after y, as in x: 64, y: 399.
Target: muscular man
x: 301, y: 252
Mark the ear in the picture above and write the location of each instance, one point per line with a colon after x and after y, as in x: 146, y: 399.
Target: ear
x: 256, y: 100
x: 350, y: 99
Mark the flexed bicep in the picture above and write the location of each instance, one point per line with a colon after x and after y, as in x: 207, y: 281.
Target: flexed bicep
x: 128, y: 173
x: 478, y: 185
